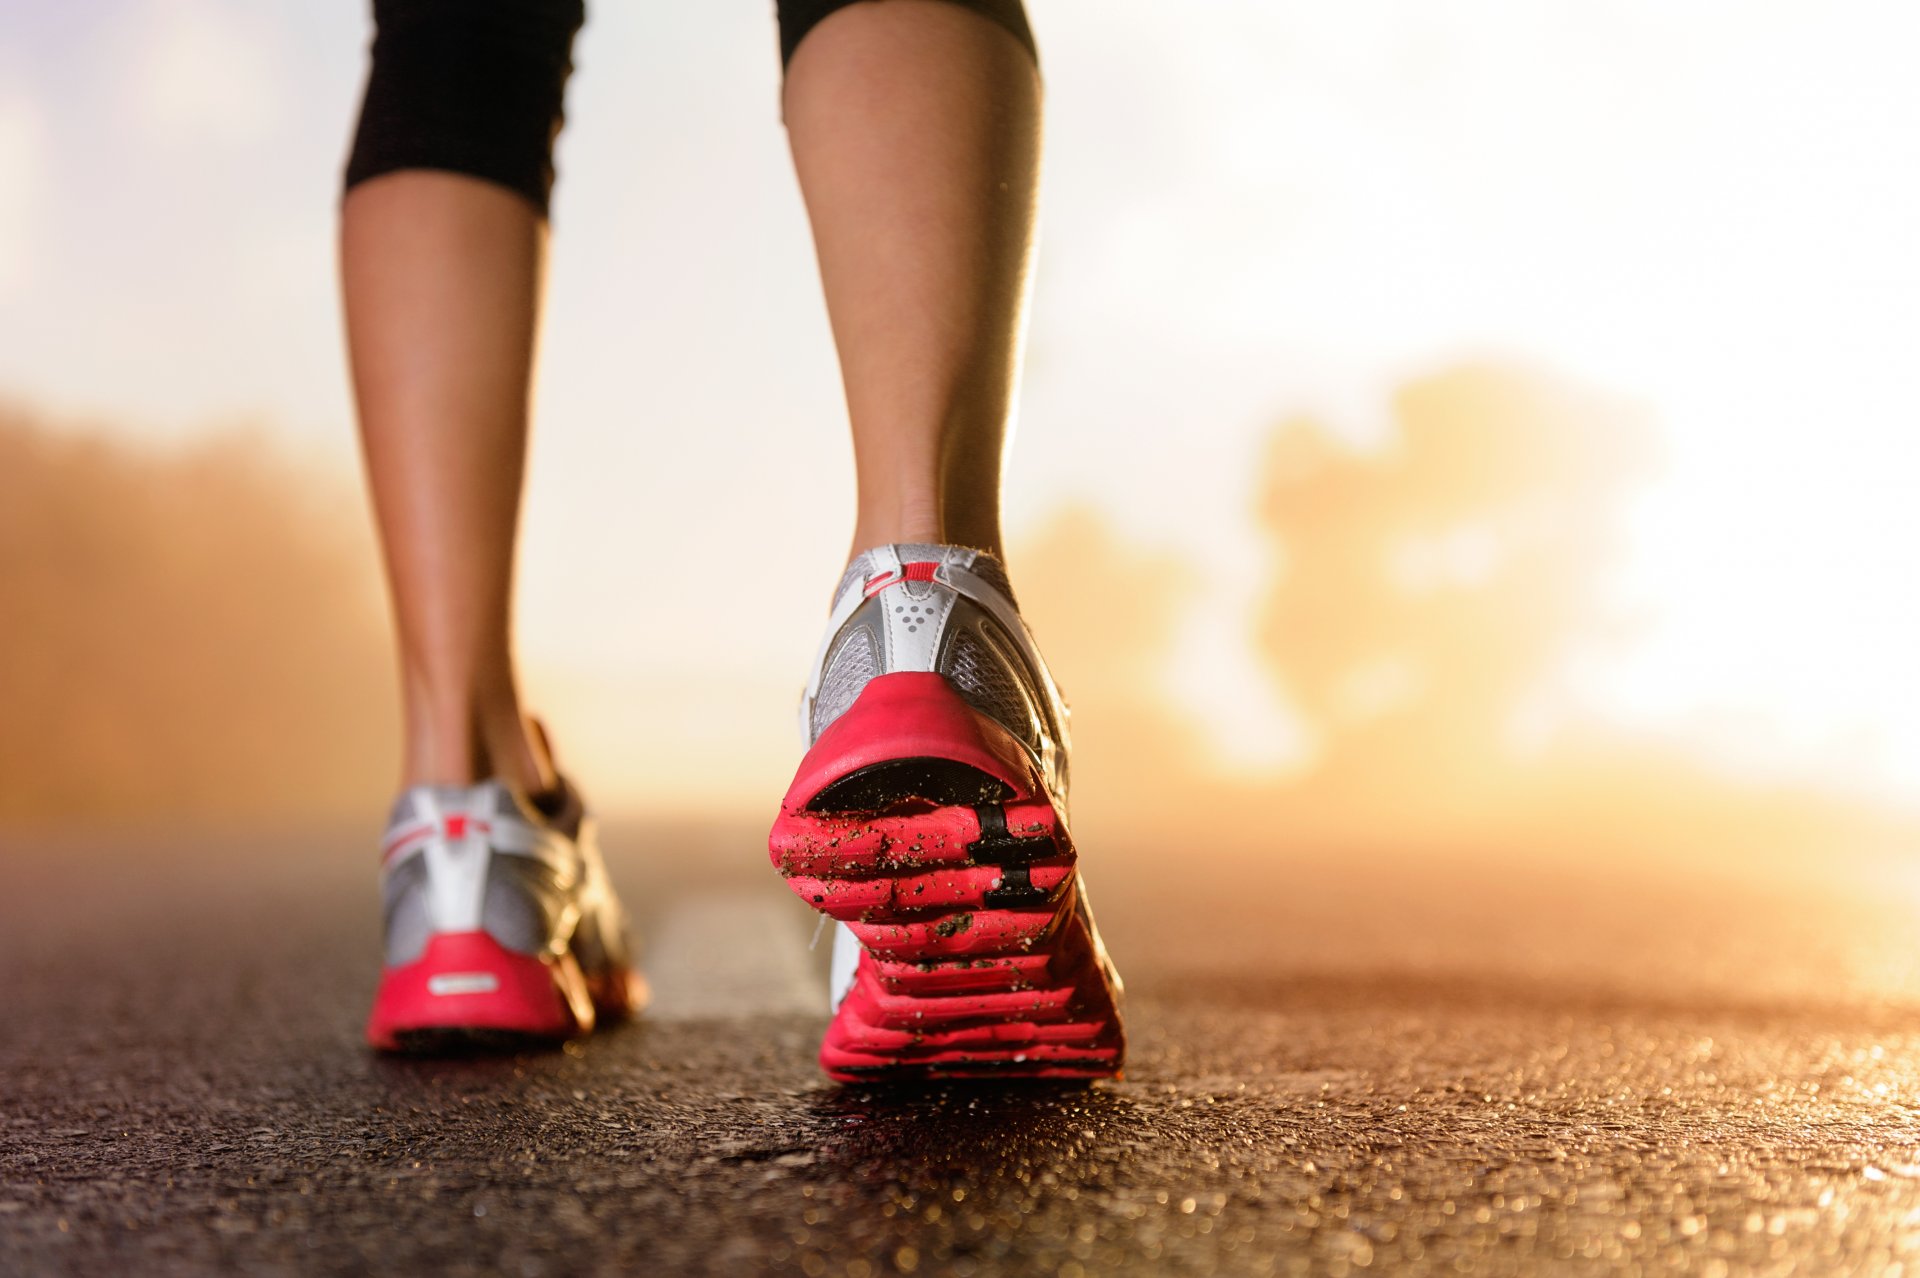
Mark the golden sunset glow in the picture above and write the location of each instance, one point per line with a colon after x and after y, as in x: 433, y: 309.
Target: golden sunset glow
x: 1493, y: 380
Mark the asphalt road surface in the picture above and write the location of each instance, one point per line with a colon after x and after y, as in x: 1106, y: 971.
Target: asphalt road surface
x: 1340, y: 1063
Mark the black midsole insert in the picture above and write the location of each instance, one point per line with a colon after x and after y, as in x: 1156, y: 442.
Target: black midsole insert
x: 879, y: 786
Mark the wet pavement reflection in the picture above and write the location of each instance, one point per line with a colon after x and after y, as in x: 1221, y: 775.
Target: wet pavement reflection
x: 1371, y: 1075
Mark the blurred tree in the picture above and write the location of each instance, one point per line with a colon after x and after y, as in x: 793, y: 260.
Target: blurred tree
x: 1104, y: 611
x: 191, y: 634
x: 1432, y: 587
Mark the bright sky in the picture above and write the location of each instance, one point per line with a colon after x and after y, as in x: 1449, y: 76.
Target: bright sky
x: 1253, y: 208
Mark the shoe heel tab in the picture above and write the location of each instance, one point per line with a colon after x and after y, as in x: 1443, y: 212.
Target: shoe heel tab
x: 912, y: 715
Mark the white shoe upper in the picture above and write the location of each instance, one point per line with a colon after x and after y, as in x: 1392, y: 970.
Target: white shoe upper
x: 946, y: 610
x: 942, y: 609
x: 481, y: 858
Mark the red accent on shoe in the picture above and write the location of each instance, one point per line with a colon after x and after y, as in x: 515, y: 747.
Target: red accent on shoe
x: 1057, y: 1019
x: 469, y: 981
x: 843, y: 843
x: 921, y: 571
x: 911, y: 714
x: 456, y: 827
x: 877, y: 584
x: 402, y: 840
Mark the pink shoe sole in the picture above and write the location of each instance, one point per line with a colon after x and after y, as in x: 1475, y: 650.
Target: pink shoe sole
x: 467, y: 987
x: 923, y: 826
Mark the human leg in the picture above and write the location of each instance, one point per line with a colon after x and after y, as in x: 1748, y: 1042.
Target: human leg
x: 928, y: 815
x: 915, y: 128
x: 443, y: 231
x: 442, y: 279
x: 499, y: 915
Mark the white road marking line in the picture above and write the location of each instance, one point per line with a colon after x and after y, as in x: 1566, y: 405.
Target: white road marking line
x: 732, y: 956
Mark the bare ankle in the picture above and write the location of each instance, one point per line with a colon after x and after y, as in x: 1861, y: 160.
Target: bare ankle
x: 465, y: 739
x: 970, y: 527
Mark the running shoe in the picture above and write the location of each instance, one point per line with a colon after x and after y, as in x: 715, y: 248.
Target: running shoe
x: 501, y: 925
x: 929, y: 818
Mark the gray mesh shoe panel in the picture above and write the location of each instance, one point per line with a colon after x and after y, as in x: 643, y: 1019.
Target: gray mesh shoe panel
x: 408, y: 923
x: 522, y: 905
x: 854, y: 661
x: 984, y: 673
x: 856, y: 571
x: 990, y: 570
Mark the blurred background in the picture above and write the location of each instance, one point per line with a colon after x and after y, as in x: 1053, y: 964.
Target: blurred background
x: 1487, y: 425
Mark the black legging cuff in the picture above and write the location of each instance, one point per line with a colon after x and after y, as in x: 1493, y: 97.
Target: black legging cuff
x: 797, y: 17
x: 479, y: 86
x: 469, y: 86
